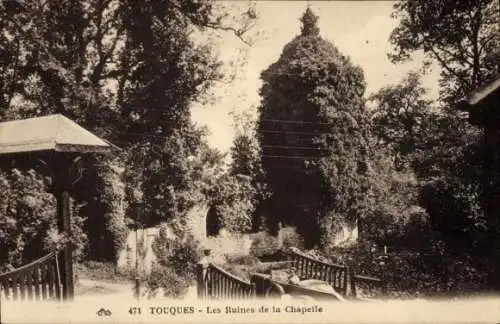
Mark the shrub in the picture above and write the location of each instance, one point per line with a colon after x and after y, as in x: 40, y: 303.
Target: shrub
x: 233, y: 202
x: 242, y: 266
x: 28, y: 220
x: 264, y: 244
x: 291, y: 239
x: 413, y: 273
x: 78, y: 240
x: 166, y: 279
x: 181, y: 252
x: 246, y: 260
x: 27, y: 212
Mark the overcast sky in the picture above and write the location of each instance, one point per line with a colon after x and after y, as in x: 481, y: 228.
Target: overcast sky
x: 359, y: 29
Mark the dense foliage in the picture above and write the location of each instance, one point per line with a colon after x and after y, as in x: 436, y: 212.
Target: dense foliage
x: 27, y: 220
x: 177, y: 250
x: 246, y: 164
x: 410, y: 273
x: 405, y: 120
x: 163, y: 282
x: 462, y: 38
x: 127, y: 71
x: 318, y: 151
x: 300, y: 87
x: 233, y: 202
x: 177, y: 253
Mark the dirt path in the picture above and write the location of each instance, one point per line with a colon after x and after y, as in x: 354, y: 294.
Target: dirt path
x: 95, y: 288
x: 86, y: 287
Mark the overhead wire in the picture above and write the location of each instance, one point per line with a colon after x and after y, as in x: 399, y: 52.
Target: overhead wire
x: 151, y: 135
x: 129, y: 142
x: 291, y: 157
x: 292, y: 147
x: 272, y: 120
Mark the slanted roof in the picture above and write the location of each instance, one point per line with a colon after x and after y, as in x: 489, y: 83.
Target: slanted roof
x: 483, y: 93
x: 49, y: 133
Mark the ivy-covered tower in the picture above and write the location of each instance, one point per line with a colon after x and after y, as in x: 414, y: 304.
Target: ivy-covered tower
x: 312, y: 127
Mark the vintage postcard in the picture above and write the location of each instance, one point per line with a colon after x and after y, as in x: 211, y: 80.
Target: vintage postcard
x: 199, y: 161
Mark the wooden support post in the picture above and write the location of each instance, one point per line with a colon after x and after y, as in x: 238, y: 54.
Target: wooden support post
x: 65, y: 258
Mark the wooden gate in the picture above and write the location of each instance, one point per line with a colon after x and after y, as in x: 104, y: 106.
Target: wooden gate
x: 216, y: 283
x: 38, y: 280
x: 341, y: 278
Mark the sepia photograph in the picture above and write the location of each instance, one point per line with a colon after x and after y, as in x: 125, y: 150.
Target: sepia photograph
x: 198, y: 161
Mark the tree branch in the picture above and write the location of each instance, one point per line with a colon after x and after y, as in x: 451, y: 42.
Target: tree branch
x: 462, y: 60
x: 444, y: 64
x: 487, y: 40
x: 216, y: 25
x: 237, y: 32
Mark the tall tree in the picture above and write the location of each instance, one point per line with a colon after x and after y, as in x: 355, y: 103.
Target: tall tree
x: 102, y: 63
x: 164, y: 72
x: 65, y: 53
x: 246, y: 164
x: 410, y: 124
x: 462, y: 37
x: 405, y: 120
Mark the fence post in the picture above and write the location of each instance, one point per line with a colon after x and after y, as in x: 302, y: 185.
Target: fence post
x: 254, y: 290
x: 352, y: 282
x: 201, y: 271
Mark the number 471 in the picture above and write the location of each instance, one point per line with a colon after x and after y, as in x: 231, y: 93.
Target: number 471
x: 134, y: 311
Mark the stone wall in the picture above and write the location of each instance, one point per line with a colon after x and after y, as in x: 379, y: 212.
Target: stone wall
x: 223, y: 244
x: 227, y: 244
x: 196, y: 220
x: 347, y: 236
x: 127, y: 257
x: 196, y: 223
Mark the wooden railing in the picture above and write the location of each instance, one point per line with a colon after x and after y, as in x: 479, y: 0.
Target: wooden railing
x: 309, y: 268
x: 368, y: 286
x: 214, y: 282
x: 38, y: 280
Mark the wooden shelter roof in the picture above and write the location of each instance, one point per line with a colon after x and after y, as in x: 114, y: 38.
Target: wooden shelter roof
x: 485, y: 92
x: 49, y: 133
x: 481, y: 95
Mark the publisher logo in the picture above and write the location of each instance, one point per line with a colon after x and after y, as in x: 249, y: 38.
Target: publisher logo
x: 103, y: 312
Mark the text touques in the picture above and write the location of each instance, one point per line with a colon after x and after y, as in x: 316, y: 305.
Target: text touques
x: 178, y: 310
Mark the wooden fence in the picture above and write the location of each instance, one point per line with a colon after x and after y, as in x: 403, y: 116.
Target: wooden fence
x: 342, y: 278
x: 309, y: 268
x: 373, y: 287
x: 216, y: 283
x: 38, y: 280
